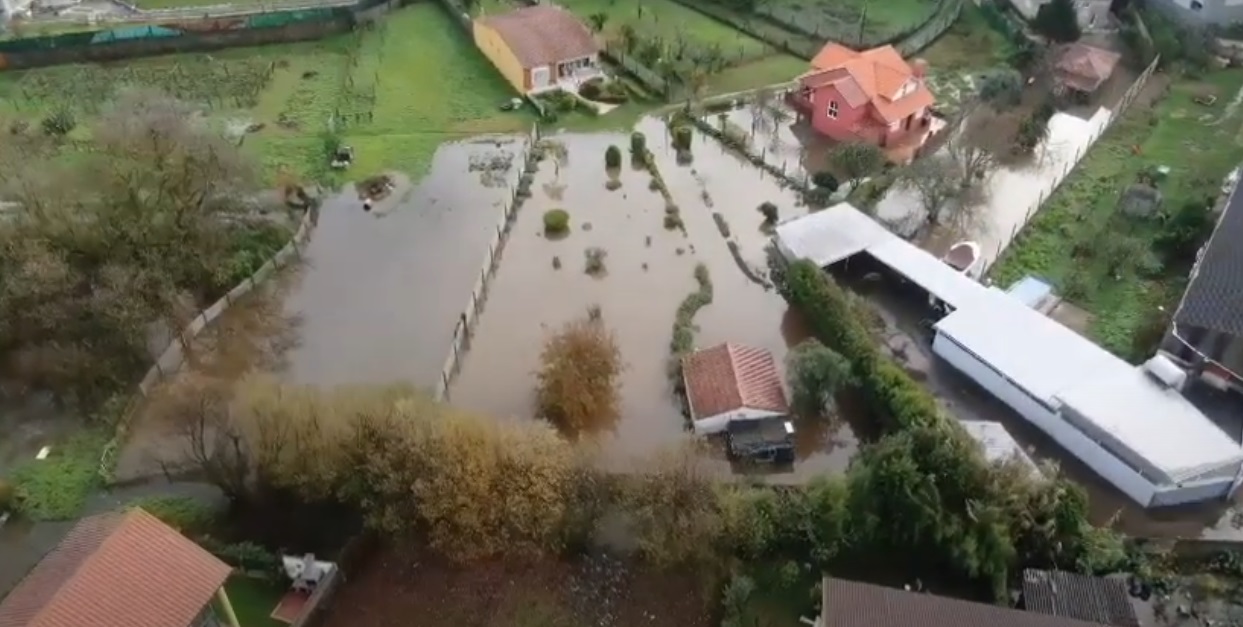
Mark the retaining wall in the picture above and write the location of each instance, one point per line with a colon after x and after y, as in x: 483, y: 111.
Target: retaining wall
x: 469, y: 317
x: 170, y: 362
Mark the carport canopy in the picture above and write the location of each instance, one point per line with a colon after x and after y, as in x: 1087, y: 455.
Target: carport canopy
x: 829, y: 236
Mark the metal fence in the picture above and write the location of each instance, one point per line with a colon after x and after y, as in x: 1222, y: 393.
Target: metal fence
x: 465, y: 327
x: 1123, y: 104
x: 170, y: 362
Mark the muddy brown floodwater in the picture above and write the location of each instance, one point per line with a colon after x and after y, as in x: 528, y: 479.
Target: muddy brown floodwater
x: 645, y: 282
x: 379, y: 293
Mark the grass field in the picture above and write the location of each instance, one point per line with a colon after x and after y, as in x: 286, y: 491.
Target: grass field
x: 253, y: 601
x: 954, y: 59
x: 771, y: 69
x: 669, y: 21
x: 845, y: 20
x: 1081, y: 218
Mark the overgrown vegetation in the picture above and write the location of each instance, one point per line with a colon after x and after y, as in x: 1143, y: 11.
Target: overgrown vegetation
x: 1118, y: 237
x: 924, y: 488
x: 578, y: 389
x: 682, y: 341
x: 556, y: 222
x: 150, y: 226
x: 56, y: 488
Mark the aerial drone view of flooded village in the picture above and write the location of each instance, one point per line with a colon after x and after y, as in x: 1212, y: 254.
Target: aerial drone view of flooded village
x: 521, y: 313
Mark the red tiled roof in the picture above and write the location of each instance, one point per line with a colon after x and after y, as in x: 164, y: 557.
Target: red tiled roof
x: 854, y: 604
x: 116, y: 570
x: 876, y: 75
x: 543, y: 34
x: 1085, y: 67
x: 730, y: 376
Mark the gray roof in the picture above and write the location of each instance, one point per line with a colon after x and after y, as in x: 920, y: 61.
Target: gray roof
x: 1072, y: 595
x: 1214, y: 299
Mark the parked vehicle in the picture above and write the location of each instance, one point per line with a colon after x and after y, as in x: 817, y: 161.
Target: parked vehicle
x: 765, y: 441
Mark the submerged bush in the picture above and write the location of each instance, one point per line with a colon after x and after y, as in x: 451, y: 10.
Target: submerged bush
x: 638, y: 145
x: 556, y: 221
x: 612, y: 157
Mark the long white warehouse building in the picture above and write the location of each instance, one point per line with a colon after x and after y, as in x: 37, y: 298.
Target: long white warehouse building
x: 1130, y: 424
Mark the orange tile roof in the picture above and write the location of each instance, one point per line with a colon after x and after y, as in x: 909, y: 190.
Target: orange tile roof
x: 878, y: 74
x: 543, y: 34
x: 116, y: 570
x: 731, y: 376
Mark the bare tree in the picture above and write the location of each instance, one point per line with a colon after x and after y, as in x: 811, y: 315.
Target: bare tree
x: 213, y: 445
x: 936, y: 180
x: 973, y: 160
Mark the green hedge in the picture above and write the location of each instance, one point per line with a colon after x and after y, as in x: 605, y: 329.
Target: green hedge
x: 953, y: 505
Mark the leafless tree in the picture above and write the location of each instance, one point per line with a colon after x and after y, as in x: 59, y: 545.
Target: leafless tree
x: 213, y: 444
x: 937, y: 181
x: 974, y: 161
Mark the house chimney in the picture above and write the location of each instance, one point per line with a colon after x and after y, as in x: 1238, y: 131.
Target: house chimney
x: 919, y: 67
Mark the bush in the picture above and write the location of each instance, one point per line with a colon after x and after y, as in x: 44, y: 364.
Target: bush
x: 59, y: 123
x: 682, y: 341
x: 683, y: 137
x: 612, y: 157
x: 7, y: 495
x: 56, y: 488
x: 556, y: 221
x: 962, y: 500
x: 825, y: 180
x: 817, y: 374
x: 606, y: 91
x: 187, y: 515
x: 638, y: 145
x: 579, y: 387
x: 594, y: 261
x: 769, y: 211
x: 247, y: 556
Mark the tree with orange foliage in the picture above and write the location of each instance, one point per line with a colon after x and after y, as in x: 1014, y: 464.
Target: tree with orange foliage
x: 579, y: 388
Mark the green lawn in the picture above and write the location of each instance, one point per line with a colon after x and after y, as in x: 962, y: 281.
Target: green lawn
x: 777, y: 68
x: 669, y: 21
x: 56, y: 488
x: 841, y: 19
x: 1065, y: 239
x: 254, y: 600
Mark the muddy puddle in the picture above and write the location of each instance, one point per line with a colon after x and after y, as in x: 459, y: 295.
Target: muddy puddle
x: 648, y: 273
x: 379, y: 292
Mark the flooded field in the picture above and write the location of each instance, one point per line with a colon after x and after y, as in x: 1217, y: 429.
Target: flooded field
x: 379, y: 293
x: 776, y: 136
x: 649, y: 272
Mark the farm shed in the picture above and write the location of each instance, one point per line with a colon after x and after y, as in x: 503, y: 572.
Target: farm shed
x: 1129, y: 424
x: 731, y: 382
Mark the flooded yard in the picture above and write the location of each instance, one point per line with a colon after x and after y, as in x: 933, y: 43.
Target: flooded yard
x: 649, y: 270
x: 380, y: 292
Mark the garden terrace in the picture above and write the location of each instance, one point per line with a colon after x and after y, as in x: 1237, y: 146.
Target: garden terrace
x: 1108, y: 262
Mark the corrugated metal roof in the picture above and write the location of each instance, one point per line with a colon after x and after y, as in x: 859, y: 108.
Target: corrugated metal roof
x: 117, y: 570
x: 1097, y: 599
x: 854, y: 604
x: 1058, y: 366
x: 1214, y: 298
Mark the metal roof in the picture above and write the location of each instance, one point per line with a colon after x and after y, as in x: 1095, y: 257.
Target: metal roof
x: 1059, y: 367
x: 1214, y: 297
x: 829, y: 236
x: 1097, y: 599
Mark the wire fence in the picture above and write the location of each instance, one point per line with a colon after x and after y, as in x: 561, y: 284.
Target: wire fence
x: 171, y: 361
x: 469, y: 318
x: 1124, y: 103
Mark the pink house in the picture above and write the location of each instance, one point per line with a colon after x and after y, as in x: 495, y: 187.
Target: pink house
x: 873, y: 96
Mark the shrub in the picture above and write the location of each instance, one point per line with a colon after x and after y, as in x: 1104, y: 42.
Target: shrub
x: 594, y: 261
x: 578, y: 387
x: 59, y: 123
x: 185, y: 514
x: 244, y: 555
x: 7, y: 494
x: 683, y: 137
x: 556, y: 221
x: 612, y: 157
x: 682, y: 341
x: 817, y: 374
x: 673, y: 221
x: 769, y: 211
x: 638, y: 145
x: 825, y: 179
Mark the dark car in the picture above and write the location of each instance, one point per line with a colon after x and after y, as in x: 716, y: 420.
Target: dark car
x: 766, y: 440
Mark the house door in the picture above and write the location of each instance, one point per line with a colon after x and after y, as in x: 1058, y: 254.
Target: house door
x: 539, y: 77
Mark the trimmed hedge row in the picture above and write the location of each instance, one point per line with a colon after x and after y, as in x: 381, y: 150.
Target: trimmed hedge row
x: 897, y: 399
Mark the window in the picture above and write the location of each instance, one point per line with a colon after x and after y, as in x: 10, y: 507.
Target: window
x: 833, y: 109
